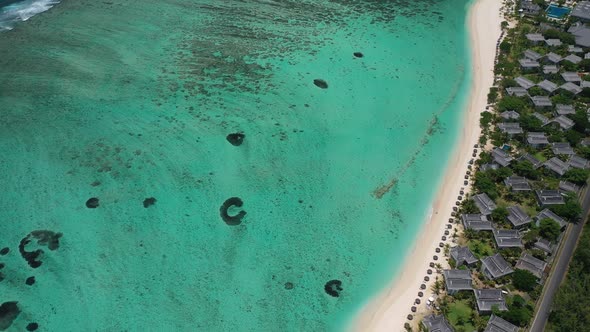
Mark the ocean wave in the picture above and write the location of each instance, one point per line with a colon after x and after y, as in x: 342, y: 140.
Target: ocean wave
x: 14, y: 12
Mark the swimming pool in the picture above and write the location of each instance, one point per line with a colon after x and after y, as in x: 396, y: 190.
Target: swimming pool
x: 554, y: 11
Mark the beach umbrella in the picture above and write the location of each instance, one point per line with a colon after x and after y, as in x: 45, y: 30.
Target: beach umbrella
x: 429, y: 271
x: 447, y: 233
x: 444, y: 238
x: 413, y: 309
x: 431, y: 264
x: 426, y: 278
x: 417, y: 301
x: 449, y: 226
x: 410, y: 317
x: 423, y: 286
x: 437, y: 250
x: 440, y: 244
x: 457, y: 203
x: 453, y: 214
x: 420, y: 294
x: 435, y: 257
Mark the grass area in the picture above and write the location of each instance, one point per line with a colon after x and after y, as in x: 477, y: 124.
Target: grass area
x: 539, y: 155
x: 460, y: 315
x: 480, y: 249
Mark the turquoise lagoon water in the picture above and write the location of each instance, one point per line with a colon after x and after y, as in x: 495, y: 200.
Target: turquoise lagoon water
x: 125, y: 100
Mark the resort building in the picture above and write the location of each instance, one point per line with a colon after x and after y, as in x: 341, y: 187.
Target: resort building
x: 585, y: 142
x: 524, y: 82
x: 570, y: 76
x: 541, y: 101
x: 487, y: 167
x: 532, y: 55
x: 501, y: 157
x: 544, y: 245
x: 529, y: 8
x: 526, y: 64
x: 517, y: 183
x: 573, y: 58
x: 556, y: 165
x: 508, y: 115
x: 518, y: 217
x: 547, y: 85
x: 582, y: 11
x: 531, y: 264
x: 497, y: 324
x: 578, y: 162
x: 553, y: 42
x: 571, y: 87
x: 436, y: 323
x: 563, y: 121
x: 516, y: 91
x: 531, y: 159
x: 563, y: 148
x: 549, y: 197
x: 561, y: 109
x: 507, y: 238
x: 476, y: 222
x: 568, y: 187
x: 553, y: 58
x: 510, y: 128
x: 535, y: 38
x: 584, y: 84
x: 575, y: 49
x: 489, y: 298
x: 544, y: 120
x: 548, y: 214
x: 550, y: 69
x: 582, y: 34
x: 463, y: 256
x: 484, y: 203
x: 495, y: 266
x: 537, y: 139
x: 457, y: 280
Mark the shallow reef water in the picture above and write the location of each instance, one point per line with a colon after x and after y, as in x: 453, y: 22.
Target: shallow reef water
x: 126, y: 125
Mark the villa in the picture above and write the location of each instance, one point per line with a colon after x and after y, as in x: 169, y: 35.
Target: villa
x: 582, y: 11
x: 562, y: 148
x: 535, y: 38
x: 548, y: 214
x: 569, y: 76
x: 517, y: 91
x: 541, y: 101
x: 533, y: 265
x: 507, y: 238
x: 556, y: 165
x: 547, y: 86
x: 554, y: 58
x: 524, y: 82
x: 544, y: 245
x: 571, y: 87
x: 532, y: 55
x: 463, y: 256
x: 537, y: 139
x: 553, y: 42
x: 578, y: 162
x: 510, y: 114
x: 573, y: 59
x: 510, y: 128
x: 487, y: 299
x: 501, y: 157
x: 531, y: 159
x: 582, y: 34
x: 549, y: 197
x: 437, y: 323
x: 495, y: 266
x: 484, y: 203
x: 527, y: 64
x: 518, y: 217
x: 561, y: 109
x: 517, y: 183
x: 457, y: 280
x: 476, y: 222
x: 568, y: 187
x: 497, y: 324
x: 550, y: 69
x: 544, y: 120
x: 563, y: 121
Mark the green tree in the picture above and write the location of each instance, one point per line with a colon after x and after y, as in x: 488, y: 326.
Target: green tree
x: 584, y: 65
x: 499, y: 214
x: 573, y: 137
x: 530, y: 123
x: 505, y: 46
x: 525, y: 168
x: 484, y: 183
x: 576, y: 175
x: 580, y: 118
x: 571, y: 210
x: 486, y: 118
x: 524, y: 280
x: 549, y: 229
x: 511, y: 103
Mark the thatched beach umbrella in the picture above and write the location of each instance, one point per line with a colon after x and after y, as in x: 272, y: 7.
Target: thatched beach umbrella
x: 426, y: 278
x: 417, y: 301
x: 447, y: 232
x: 431, y: 264
x: 420, y: 294
x: 437, y: 250
x: 440, y: 244
x: 410, y: 317
x: 435, y: 257
x: 423, y: 286
x: 429, y: 271
x: 453, y: 214
x: 444, y: 238
x: 457, y: 203
x: 413, y: 309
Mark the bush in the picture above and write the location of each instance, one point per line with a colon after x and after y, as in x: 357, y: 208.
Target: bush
x: 524, y: 280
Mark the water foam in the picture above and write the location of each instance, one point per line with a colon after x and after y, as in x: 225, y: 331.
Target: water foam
x: 22, y: 11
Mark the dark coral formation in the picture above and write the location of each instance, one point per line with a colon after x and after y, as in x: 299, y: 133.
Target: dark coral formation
x: 4, y: 251
x: 320, y: 83
x: 235, y: 139
x: 333, y: 287
x: 44, y: 238
x: 149, y: 202
x: 358, y: 54
x: 289, y: 285
x: 30, y: 281
x: 92, y: 203
x: 223, y: 211
x: 32, y: 327
x: 8, y: 313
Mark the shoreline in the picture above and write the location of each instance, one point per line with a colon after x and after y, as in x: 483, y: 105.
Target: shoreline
x: 388, y: 310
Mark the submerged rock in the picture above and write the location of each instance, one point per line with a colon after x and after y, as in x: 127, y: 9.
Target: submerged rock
x: 44, y: 238
x: 92, y: 203
x: 32, y: 327
x: 8, y: 313
x: 236, y: 139
x: 289, y: 285
x: 30, y: 281
x: 358, y: 54
x: 4, y: 251
x: 320, y: 83
x: 149, y: 202
x: 223, y: 211
x: 333, y: 288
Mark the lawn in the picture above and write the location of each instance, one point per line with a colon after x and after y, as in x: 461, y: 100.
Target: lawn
x: 480, y: 249
x: 460, y: 316
x: 539, y: 155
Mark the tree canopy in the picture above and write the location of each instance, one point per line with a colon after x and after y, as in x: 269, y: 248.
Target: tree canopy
x: 549, y: 229
x: 576, y: 175
x: 524, y: 280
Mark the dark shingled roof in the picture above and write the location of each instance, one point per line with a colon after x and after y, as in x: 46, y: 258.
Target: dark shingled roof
x: 497, y: 324
x: 496, y: 266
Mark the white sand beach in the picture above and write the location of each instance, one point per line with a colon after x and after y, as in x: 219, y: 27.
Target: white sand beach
x: 389, y: 309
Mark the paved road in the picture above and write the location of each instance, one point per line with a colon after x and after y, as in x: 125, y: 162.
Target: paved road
x: 560, y: 268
